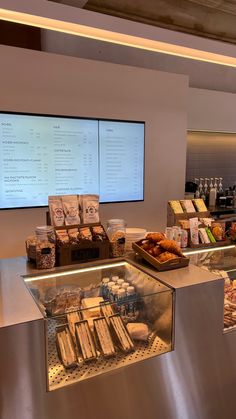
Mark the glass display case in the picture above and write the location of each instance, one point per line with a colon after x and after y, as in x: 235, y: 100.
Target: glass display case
x: 100, y: 318
x: 221, y: 261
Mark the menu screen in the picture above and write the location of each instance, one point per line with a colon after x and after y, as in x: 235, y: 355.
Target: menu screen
x: 47, y: 155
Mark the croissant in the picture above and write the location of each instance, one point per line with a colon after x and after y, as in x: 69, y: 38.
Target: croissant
x: 171, y: 246
x: 156, y: 251
x: 166, y: 256
x: 155, y: 237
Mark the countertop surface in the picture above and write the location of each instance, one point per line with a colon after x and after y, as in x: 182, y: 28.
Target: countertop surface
x: 16, y: 303
x: 18, y: 306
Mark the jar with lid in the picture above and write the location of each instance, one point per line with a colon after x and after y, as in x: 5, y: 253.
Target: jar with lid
x: 116, y: 235
x: 45, y: 233
x: 45, y: 247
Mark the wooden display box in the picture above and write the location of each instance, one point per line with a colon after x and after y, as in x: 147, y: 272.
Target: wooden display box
x: 84, y: 251
x: 173, y: 219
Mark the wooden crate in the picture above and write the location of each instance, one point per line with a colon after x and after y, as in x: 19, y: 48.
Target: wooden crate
x: 173, y: 219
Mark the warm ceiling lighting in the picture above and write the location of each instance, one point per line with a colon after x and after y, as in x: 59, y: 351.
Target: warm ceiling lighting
x: 115, y: 37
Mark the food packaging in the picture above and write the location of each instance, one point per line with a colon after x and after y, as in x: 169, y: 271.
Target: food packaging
x: 56, y: 211
x: 193, y: 224
x: 89, y: 205
x: 71, y: 209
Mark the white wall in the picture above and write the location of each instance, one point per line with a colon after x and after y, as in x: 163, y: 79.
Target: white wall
x: 211, y: 110
x: 46, y: 83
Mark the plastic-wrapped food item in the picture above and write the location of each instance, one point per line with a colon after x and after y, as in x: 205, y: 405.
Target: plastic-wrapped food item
x: 85, y: 341
x: 62, y: 238
x: 98, y: 233
x: 85, y: 233
x: 193, y: 224
x: 121, y: 334
x: 103, y: 336
x: 66, y: 348
x: 138, y: 331
x: 62, y: 300
x: 73, y: 318
x: 73, y: 234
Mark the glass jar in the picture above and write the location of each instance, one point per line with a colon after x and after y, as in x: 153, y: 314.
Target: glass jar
x: 45, y: 247
x: 116, y: 235
x: 45, y: 233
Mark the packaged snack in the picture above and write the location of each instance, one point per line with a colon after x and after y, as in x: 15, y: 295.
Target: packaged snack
x: 90, y: 208
x: 210, y: 235
x: 217, y: 231
x: 187, y: 205
x: 193, y: 224
x: 85, y: 233
x: 56, y: 211
x: 98, y: 233
x: 62, y: 238
x: 176, y: 207
x: 73, y: 234
x: 203, y: 236
x: 200, y: 205
x: 71, y: 209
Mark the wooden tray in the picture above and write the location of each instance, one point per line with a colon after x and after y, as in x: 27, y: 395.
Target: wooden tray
x: 179, y: 262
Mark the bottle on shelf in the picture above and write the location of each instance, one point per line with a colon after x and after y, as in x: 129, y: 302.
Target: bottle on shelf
x: 201, y: 189
x: 206, y: 191
x: 221, y: 199
x: 216, y: 186
x: 197, y: 192
x: 212, y: 194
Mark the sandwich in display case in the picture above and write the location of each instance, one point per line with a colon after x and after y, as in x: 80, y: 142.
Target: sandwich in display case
x: 101, y: 318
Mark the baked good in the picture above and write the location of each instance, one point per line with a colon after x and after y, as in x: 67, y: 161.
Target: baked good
x: 66, y: 348
x: 138, y: 331
x: 171, y: 246
x: 91, y: 306
x: 73, y: 318
x: 104, y: 337
x: 121, y: 334
x: 85, y: 341
x: 155, y: 237
x: 165, y: 256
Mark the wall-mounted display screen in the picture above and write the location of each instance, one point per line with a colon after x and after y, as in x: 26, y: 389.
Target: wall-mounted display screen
x: 43, y: 155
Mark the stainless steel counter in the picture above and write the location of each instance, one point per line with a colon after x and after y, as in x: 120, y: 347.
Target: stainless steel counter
x: 194, y: 381
x: 16, y: 304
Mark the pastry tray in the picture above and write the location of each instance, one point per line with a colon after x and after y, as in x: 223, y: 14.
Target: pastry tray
x: 178, y: 262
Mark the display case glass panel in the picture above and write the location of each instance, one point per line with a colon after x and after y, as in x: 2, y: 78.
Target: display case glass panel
x: 222, y: 262
x: 101, y: 318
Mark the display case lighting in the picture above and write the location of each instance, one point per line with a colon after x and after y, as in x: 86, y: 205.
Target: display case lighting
x: 212, y: 249
x: 74, y: 271
x: 96, y: 33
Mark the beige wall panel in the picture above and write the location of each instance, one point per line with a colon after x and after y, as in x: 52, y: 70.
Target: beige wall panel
x: 33, y: 81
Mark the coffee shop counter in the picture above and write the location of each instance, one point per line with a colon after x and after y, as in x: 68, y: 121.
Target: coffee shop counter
x: 186, y: 370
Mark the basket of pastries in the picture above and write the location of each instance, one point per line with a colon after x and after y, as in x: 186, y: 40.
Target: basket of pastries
x: 160, y: 252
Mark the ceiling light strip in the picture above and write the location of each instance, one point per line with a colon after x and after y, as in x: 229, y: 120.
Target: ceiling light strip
x: 115, y: 37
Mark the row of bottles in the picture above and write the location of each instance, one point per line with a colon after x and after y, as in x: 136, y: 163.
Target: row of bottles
x: 212, y: 192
